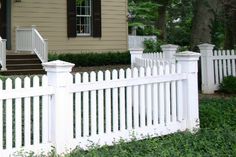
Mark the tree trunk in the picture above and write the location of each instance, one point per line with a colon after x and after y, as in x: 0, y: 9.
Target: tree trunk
x: 230, y: 24
x: 203, y: 17
x: 161, y: 20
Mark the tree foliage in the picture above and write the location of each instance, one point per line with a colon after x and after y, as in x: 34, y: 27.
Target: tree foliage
x: 187, y: 22
x: 144, y: 16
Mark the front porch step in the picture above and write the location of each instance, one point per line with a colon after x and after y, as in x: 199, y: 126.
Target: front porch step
x: 23, y: 64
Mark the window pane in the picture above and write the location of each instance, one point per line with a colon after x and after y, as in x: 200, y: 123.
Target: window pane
x: 84, y: 17
x: 83, y: 25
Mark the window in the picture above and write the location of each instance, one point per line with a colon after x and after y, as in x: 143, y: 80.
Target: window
x: 83, y: 17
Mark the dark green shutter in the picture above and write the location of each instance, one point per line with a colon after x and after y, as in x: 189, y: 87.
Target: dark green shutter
x: 71, y: 18
x: 97, y: 22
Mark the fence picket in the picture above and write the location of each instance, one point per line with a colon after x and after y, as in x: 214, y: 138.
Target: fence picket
x: 129, y: 101
x: 161, y: 98
x: 216, y: 68
x: 233, y: 63
x: 167, y: 96
x: 224, y: 64
x: 135, y: 101
x: 179, y: 96
x: 36, y: 113
x: 18, y: 117
x: 46, y: 108
x: 149, y: 99
x: 93, y: 106
x: 142, y: 100
x: 78, y: 110
x: 100, y: 106
x: 108, y: 103
x: 220, y: 66
x: 9, y: 116
x: 173, y: 95
x: 229, y: 67
x: 122, y: 102
x: 27, y: 121
x: 155, y: 97
x: 115, y: 102
x: 85, y: 107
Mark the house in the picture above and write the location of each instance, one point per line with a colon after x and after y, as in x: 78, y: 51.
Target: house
x: 68, y: 25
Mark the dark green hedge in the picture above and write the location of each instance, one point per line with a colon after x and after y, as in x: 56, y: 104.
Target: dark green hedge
x: 93, y: 59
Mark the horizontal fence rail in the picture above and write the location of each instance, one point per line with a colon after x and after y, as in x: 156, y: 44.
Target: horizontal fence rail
x: 29, y: 39
x: 3, y: 53
x: 67, y: 111
x: 215, y: 65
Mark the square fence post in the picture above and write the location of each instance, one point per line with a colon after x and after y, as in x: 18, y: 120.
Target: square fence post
x: 135, y: 53
x: 189, y: 64
x: 169, y: 51
x: 207, y: 68
x: 61, y: 120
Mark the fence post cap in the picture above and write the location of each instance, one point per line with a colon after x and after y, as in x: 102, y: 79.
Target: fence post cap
x: 187, y: 55
x: 58, y: 66
x: 136, y: 50
x: 168, y: 46
x: 206, y: 46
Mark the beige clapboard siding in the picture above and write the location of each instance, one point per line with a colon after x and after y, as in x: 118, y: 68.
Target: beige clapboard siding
x: 50, y: 17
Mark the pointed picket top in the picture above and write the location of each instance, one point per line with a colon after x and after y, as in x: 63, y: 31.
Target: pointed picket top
x: 18, y: 83
x: 8, y: 84
x: 121, y: 74
x: 128, y: 73
x: 107, y: 75
x: 92, y: 76
x: 100, y: 76
x: 85, y: 77
x: 27, y: 82
x: 77, y: 78
x: 114, y: 74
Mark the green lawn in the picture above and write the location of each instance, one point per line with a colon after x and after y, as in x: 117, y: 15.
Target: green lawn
x: 217, y: 137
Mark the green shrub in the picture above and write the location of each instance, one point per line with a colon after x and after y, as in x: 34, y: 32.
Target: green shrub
x: 93, y: 59
x: 228, y: 85
x: 152, y: 45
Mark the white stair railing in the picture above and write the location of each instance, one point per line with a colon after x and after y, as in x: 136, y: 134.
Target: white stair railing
x: 29, y: 39
x: 3, y: 54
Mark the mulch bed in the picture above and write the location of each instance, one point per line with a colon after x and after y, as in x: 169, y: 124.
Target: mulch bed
x: 99, y: 68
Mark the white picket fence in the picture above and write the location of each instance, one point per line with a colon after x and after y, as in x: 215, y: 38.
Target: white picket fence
x: 65, y: 111
x: 140, y: 59
x: 215, y: 65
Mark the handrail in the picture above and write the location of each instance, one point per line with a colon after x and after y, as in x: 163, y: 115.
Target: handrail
x: 3, y: 53
x: 29, y: 39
